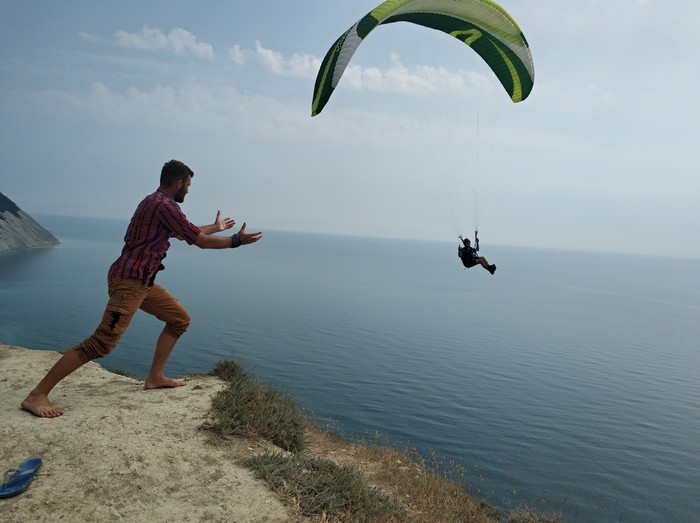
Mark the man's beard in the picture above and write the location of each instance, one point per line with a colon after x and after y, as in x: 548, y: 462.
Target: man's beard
x: 179, y: 196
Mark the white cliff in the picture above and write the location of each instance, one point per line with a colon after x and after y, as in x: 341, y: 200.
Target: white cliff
x: 18, y: 230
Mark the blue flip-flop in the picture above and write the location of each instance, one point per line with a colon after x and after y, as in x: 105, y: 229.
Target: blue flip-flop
x: 17, y: 480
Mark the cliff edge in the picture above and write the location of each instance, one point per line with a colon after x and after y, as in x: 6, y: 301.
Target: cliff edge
x: 122, y: 453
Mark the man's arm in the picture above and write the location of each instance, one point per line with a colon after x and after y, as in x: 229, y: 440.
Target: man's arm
x: 208, y: 241
x: 220, y: 224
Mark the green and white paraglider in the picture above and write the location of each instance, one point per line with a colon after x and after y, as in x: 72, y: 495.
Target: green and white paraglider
x: 481, y: 24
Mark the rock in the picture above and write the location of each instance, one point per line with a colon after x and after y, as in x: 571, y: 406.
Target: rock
x: 18, y: 230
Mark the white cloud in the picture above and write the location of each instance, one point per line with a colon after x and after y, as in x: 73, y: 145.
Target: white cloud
x: 298, y: 65
x: 182, y: 41
x: 271, y: 60
x: 305, y: 65
x: 163, y: 105
x: 395, y: 78
x: 237, y: 55
x: 192, y: 107
x: 148, y: 39
x: 91, y: 38
x: 178, y: 41
x: 420, y: 79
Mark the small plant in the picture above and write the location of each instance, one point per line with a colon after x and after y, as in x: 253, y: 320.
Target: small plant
x: 229, y: 370
x: 250, y: 408
x: 321, y: 488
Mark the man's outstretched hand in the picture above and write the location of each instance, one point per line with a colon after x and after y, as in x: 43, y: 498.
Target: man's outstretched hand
x: 222, y: 224
x: 247, y: 238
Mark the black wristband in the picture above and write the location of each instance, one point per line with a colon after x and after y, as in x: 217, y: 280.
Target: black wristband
x: 235, y: 241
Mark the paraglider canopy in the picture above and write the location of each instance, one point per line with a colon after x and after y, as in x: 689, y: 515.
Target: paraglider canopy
x: 481, y: 24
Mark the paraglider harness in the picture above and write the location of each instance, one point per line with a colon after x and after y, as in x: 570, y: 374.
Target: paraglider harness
x: 467, y: 253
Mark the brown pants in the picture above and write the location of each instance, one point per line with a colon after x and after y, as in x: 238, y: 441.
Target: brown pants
x: 126, y: 296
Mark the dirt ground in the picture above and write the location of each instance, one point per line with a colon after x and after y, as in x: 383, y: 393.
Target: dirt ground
x: 122, y: 453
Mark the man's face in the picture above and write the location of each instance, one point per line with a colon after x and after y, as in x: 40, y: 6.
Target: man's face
x: 184, y: 187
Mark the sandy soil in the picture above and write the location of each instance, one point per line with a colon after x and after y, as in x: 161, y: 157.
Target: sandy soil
x: 121, y: 453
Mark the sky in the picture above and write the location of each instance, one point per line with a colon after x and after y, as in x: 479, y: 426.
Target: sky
x: 418, y: 141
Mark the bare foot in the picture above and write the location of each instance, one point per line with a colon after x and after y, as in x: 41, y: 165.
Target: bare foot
x: 162, y: 383
x: 39, y: 405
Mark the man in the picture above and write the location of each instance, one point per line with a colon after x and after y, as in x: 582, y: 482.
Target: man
x: 131, y: 284
x: 469, y: 256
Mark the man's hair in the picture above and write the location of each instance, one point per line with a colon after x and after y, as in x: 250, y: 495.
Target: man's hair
x: 173, y: 171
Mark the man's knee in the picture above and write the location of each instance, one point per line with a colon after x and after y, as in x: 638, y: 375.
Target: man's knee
x: 107, y: 335
x: 93, y: 348
x: 176, y: 327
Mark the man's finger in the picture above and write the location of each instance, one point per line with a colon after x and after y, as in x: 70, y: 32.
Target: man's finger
x: 252, y: 237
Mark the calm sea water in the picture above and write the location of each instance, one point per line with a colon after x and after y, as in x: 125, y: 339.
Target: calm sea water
x: 566, y: 378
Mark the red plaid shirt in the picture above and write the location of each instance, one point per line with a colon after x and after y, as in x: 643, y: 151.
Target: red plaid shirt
x: 157, y: 219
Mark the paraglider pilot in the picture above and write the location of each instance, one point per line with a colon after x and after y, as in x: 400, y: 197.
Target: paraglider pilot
x: 469, y: 256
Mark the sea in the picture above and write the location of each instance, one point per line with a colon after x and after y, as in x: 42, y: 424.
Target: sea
x: 567, y: 381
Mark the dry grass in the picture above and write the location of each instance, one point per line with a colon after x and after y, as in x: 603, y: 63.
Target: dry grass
x: 327, y: 479
x: 251, y: 408
x: 406, y: 477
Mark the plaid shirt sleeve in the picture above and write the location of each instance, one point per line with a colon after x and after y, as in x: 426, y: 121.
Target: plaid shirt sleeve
x: 172, y: 217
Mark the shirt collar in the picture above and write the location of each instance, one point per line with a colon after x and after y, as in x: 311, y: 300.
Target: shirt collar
x: 164, y: 193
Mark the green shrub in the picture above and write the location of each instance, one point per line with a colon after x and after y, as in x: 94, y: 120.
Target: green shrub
x: 250, y: 408
x: 320, y: 487
x: 229, y: 370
